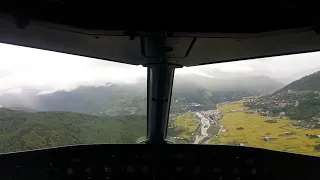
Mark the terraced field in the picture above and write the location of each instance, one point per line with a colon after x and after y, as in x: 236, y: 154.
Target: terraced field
x: 251, y: 129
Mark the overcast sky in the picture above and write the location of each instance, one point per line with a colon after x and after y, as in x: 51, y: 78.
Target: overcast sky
x: 22, y: 67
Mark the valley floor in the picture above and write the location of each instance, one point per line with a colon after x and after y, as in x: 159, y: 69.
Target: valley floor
x: 252, y: 130
x: 232, y: 125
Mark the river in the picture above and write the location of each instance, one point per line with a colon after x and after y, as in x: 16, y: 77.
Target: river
x: 204, y: 126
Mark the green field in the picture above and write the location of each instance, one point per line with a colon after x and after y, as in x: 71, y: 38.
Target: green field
x: 184, y: 125
x: 255, y: 129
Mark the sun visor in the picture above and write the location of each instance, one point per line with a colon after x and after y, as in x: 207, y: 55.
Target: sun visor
x: 183, y: 48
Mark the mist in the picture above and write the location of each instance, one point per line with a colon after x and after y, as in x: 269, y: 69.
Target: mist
x: 23, y: 68
x: 284, y: 69
x: 27, y: 68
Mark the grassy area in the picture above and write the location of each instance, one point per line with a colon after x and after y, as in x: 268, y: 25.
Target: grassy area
x: 213, y: 129
x: 214, y: 141
x: 255, y: 128
x: 184, y: 125
x: 228, y: 107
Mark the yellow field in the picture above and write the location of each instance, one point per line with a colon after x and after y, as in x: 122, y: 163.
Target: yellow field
x: 187, y: 121
x: 255, y: 129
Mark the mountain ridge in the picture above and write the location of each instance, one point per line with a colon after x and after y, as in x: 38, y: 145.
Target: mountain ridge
x: 309, y: 82
x: 125, y: 99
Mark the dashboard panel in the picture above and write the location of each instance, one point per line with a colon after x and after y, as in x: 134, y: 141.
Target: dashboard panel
x: 111, y: 162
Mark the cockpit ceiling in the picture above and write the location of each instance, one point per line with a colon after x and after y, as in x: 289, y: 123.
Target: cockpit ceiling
x: 222, y: 39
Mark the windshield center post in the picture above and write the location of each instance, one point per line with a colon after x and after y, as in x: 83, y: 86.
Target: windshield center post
x: 159, y: 88
x: 160, y: 79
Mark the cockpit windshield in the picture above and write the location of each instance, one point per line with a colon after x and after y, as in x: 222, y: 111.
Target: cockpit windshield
x: 51, y: 99
x: 271, y: 103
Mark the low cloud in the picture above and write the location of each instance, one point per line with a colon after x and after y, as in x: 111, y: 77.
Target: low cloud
x: 22, y: 67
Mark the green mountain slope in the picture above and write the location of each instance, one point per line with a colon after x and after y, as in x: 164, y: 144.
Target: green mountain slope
x: 107, y: 100
x: 310, y: 82
x: 192, y: 90
x: 26, y: 131
x: 299, y: 100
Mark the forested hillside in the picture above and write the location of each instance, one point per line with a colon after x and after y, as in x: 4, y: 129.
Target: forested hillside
x: 310, y: 82
x: 299, y: 100
x: 26, y: 131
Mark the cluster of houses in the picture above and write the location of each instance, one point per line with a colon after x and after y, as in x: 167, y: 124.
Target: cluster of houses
x: 280, y: 115
x: 241, y: 144
x: 236, y: 110
x: 287, y: 133
x: 313, y: 136
x: 213, y: 115
x: 195, y: 104
x: 317, y: 92
x: 179, y: 138
x: 114, y: 112
x: 266, y: 108
x: 249, y: 111
x: 267, y: 139
x: 313, y: 123
x: 184, y: 105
